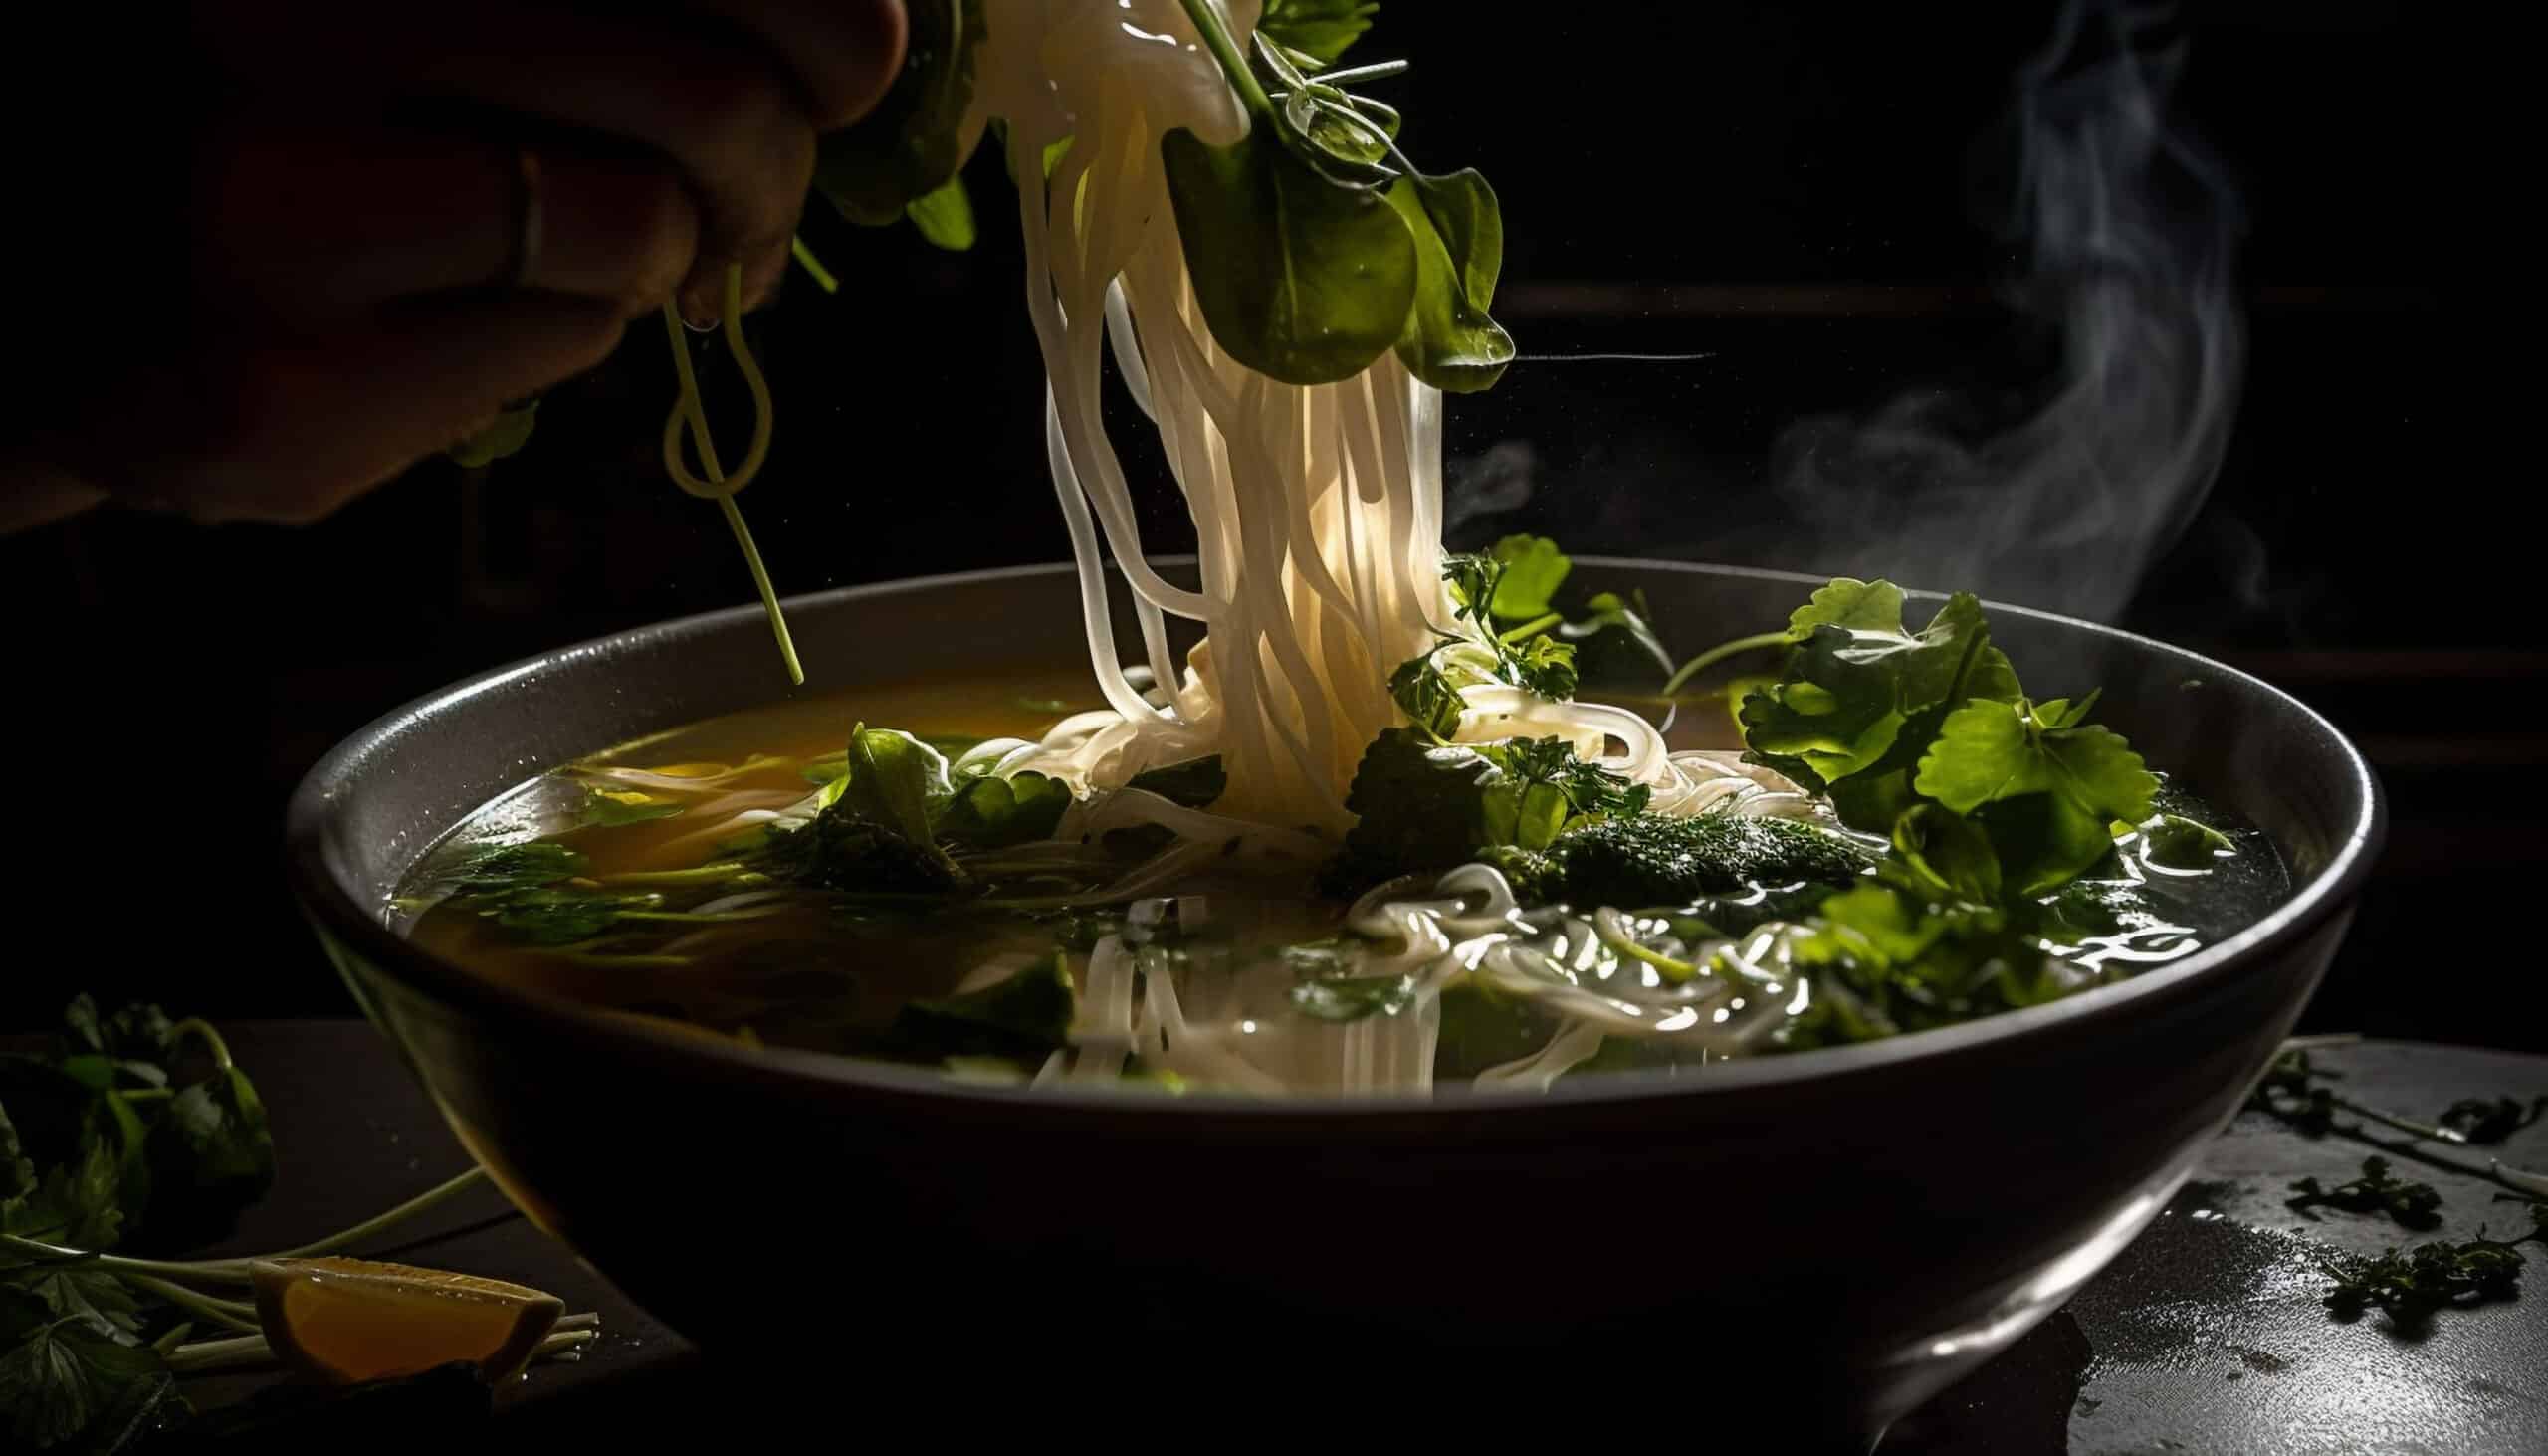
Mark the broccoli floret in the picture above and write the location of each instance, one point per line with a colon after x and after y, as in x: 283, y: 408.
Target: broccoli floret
x: 1423, y: 805
x: 1653, y: 860
x: 842, y: 850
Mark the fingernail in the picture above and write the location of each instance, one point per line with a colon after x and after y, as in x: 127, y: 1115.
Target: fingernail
x: 700, y: 307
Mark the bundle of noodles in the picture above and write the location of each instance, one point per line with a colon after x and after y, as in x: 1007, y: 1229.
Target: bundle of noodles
x: 1317, y: 507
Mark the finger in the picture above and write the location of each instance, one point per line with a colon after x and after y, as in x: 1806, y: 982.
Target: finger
x: 844, y: 54
x: 318, y: 228
x: 711, y: 100
x: 717, y: 108
x: 289, y: 430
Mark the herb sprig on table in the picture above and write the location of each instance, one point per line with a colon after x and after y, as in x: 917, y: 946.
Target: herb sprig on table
x: 134, y: 1134
x: 2413, y: 1285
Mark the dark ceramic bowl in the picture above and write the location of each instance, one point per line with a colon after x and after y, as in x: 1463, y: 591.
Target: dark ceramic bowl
x: 1832, y: 1235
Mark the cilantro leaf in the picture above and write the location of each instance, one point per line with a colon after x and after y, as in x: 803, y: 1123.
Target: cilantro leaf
x: 75, y: 1288
x: 1856, y: 677
x: 63, y: 1376
x: 1319, y: 29
x: 1545, y: 666
x: 2416, y: 1205
x: 2045, y: 785
x: 1026, y: 1017
x: 76, y: 1201
x: 212, y: 1155
x: 1533, y: 570
x: 2481, y: 1120
x: 1427, y: 696
x: 491, y: 869
x: 17, y: 1172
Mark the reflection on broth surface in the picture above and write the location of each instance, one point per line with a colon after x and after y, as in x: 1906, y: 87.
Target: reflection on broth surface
x: 673, y: 879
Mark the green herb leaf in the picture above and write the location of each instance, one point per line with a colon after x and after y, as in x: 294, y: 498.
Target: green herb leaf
x: 611, y: 808
x: 1321, y: 29
x: 915, y: 140
x: 2481, y: 1119
x: 992, y: 813
x: 1027, y: 1017
x: 562, y: 917
x: 2180, y: 843
x: 17, y: 1171
x: 212, y: 1155
x: 1450, y: 343
x: 895, y: 782
x: 1300, y: 279
x: 1351, y: 998
x: 2414, y: 1205
x: 1533, y: 569
x: 945, y: 215
x: 62, y: 1378
x: 76, y: 1289
x: 1856, y: 677
x: 76, y: 1201
x: 1196, y: 783
x: 492, y: 868
x: 1609, y: 612
x: 502, y: 436
x: 1427, y: 696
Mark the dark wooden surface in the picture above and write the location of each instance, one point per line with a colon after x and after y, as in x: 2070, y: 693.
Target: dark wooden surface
x: 2206, y: 1335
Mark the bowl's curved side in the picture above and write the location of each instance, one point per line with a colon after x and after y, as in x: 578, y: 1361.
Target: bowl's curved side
x: 1900, y: 1209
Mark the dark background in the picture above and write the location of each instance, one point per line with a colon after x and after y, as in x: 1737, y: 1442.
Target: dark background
x: 1810, y: 196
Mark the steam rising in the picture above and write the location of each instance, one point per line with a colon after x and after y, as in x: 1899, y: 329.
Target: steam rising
x: 2129, y: 230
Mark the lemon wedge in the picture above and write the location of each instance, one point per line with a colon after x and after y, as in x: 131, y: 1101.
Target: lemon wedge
x: 342, y: 1320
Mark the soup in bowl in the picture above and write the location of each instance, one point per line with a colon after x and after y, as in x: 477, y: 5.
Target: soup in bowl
x: 1541, y: 1094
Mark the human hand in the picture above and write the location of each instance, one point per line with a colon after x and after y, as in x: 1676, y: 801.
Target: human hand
x: 403, y: 216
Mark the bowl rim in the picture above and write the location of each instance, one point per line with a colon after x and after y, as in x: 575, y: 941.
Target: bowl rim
x: 336, y: 911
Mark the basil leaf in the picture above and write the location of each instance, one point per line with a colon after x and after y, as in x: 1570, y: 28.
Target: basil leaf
x: 1320, y: 28
x: 1300, y: 279
x: 897, y: 781
x: 913, y: 142
x: 1449, y: 342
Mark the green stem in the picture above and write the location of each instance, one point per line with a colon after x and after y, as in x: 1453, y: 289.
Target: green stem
x: 236, y: 1313
x: 1216, y: 38
x: 432, y: 1197
x: 1720, y: 653
x: 245, y: 1352
x: 1372, y: 71
x: 202, y: 1030
x: 234, y: 1271
x: 705, y: 874
x: 769, y: 593
x: 1533, y: 627
x: 813, y: 266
